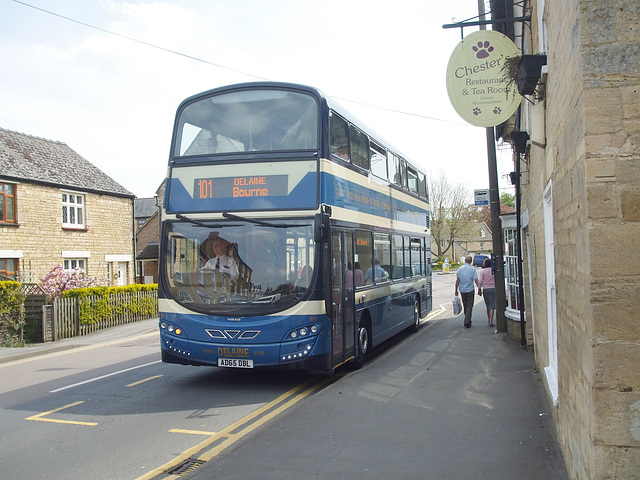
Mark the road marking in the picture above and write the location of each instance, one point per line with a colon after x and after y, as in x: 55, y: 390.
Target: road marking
x: 103, y: 377
x: 191, y: 432
x: 40, y: 417
x: 234, y: 432
x: 143, y: 381
x: 436, y: 313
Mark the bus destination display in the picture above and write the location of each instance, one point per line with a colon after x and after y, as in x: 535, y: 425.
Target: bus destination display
x: 240, y: 186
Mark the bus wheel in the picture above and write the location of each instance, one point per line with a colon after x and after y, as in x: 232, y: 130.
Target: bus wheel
x: 416, y: 317
x: 364, y: 344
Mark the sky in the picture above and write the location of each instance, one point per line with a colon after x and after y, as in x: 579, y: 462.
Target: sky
x: 109, y: 82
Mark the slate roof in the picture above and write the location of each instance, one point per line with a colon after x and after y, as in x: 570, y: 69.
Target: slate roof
x: 145, y: 207
x: 33, y: 159
x: 151, y: 252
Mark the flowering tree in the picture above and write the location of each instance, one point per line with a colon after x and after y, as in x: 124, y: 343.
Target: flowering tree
x: 59, y: 280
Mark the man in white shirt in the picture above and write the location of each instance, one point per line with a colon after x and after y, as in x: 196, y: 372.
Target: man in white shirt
x: 222, y: 261
x: 465, y: 277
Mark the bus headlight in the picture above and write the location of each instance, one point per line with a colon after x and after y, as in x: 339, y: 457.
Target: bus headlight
x: 302, y: 332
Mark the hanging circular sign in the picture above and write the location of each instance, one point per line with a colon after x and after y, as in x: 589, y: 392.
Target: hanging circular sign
x: 478, y: 83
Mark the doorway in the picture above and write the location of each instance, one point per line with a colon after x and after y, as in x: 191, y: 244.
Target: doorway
x: 342, y: 296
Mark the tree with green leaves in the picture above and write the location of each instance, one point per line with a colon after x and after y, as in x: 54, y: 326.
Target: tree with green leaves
x: 508, y: 199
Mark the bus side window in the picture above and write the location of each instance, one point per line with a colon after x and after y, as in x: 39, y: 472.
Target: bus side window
x: 359, y: 149
x: 422, y: 186
x: 378, y: 161
x: 394, y: 169
x: 382, y: 247
x: 339, y: 138
x: 364, y: 254
x: 398, y: 257
x: 403, y: 173
x: 412, y: 180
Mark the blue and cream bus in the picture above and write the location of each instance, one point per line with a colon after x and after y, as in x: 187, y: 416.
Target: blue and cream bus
x: 291, y: 235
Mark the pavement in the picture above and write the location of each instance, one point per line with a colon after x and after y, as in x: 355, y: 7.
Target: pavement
x: 106, y: 335
x: 445, y: 403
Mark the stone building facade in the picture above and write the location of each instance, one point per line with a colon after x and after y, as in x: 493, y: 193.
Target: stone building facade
x: 61, y: 210
x: 580, y: 191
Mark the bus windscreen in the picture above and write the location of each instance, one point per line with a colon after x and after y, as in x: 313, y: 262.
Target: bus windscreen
x: 248, y: 121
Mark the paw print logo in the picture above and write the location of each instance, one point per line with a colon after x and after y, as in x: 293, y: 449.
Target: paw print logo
x: 477, y: 111
x: 483, y: 49
x: 497, y: 110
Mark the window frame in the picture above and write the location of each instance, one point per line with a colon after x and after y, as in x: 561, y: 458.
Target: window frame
x: 66, y: 264
x: 4, y: 197
x: 68, y: 207
x: 359, y: 148
x: 376, y: 150
x: 335, y: 119
x: 4, y: 268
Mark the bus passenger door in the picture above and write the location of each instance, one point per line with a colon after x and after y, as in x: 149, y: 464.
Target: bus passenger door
x: 342, y: 295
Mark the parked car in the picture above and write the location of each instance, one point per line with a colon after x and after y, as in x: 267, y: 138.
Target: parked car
x: 478, y: 260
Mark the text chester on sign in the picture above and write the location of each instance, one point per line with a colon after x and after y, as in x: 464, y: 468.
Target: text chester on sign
x: 478, y: 87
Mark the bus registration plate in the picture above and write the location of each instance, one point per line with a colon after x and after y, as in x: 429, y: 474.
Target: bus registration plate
x: 235, y: 362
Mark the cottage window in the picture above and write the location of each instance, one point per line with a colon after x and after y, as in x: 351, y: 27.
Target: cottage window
x: 72, y: 210
x: 70, y: 264
x: 8, y: 269
x: 7, y: 202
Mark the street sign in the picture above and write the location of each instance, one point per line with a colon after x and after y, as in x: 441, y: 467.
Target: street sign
x: 481, y: 196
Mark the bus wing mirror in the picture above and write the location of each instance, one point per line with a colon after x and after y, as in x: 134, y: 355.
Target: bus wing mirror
x: 321, y: 228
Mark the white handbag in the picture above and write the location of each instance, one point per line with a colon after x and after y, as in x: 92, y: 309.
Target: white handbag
x: 457, y: 305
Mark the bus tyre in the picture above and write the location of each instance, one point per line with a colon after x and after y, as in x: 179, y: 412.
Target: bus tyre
x: 416, y: 317
x: 364, y: 344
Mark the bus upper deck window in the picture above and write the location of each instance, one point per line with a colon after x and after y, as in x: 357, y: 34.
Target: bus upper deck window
x: 359, y: 148
x: 412, y: 180
x: 379, y: 161
x: 339, y: 138
x: 403, y: 173
x: 394, y: 168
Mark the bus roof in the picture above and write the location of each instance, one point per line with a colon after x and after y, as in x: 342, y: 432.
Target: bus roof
x: 330, y: 102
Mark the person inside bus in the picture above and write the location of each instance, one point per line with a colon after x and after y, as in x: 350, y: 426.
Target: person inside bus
x: 212, y: 145
x: 305, y: 278
x: 223, y: 259
x: 380, y: 273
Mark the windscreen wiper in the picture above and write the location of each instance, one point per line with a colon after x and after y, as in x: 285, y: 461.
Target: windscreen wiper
x: 179, y: 216
x: 251, y: 220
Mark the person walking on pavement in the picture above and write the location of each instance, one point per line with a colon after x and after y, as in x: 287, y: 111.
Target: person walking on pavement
x: 465, y: 278
x: 487, y: 281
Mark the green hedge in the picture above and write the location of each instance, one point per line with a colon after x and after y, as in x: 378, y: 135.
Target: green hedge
x: 11, y: 313
x: 99, y: 304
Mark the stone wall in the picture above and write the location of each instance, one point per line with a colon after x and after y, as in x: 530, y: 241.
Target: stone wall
x: 591, y: 156
x: 42, y: 239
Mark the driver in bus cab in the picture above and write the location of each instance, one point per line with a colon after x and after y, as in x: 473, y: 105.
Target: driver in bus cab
x: 223, y: 261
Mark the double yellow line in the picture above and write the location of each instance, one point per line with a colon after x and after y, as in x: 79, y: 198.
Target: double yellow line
x: 220, y: 441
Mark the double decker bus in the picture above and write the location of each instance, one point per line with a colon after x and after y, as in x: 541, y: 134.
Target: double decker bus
x: 291, y: 235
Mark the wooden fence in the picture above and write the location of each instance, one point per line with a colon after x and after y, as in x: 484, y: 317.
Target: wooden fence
x: 119, y: 309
